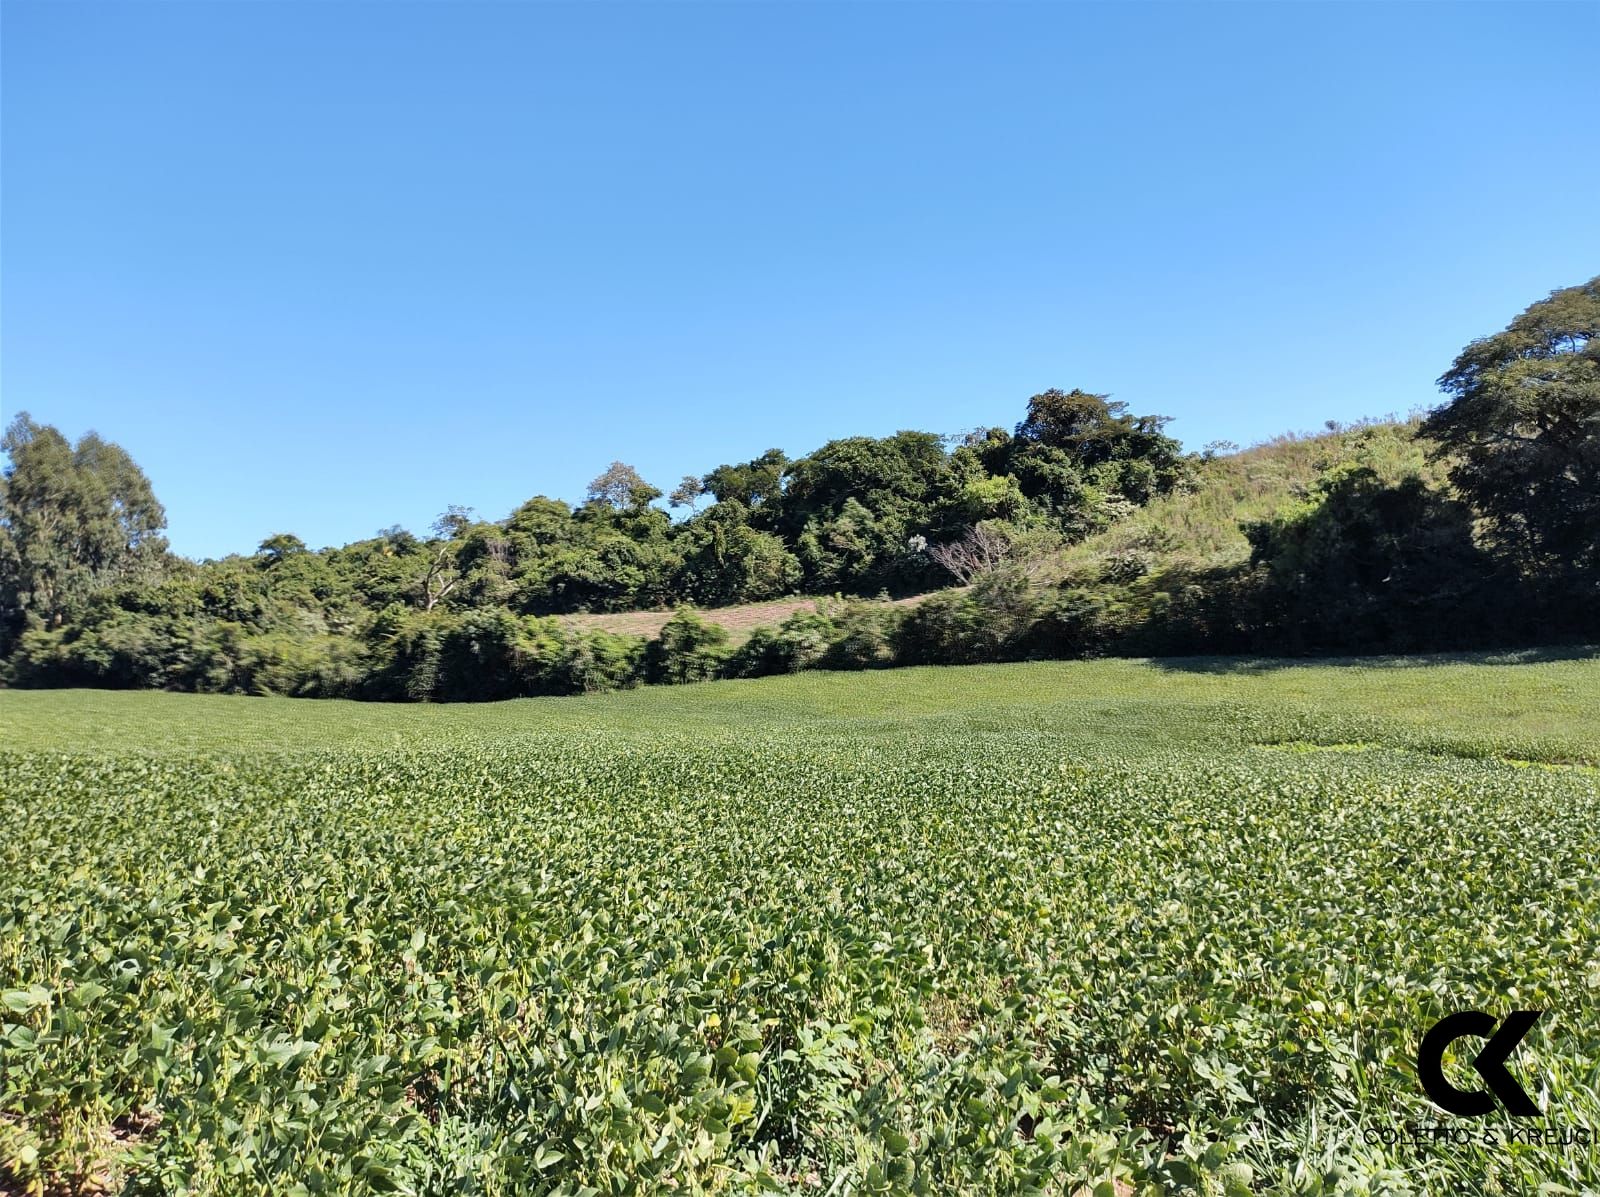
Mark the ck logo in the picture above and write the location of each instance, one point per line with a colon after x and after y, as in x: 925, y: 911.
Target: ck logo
x: 1489, y: 1063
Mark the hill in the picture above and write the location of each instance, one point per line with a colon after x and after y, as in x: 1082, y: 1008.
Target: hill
x: 1084, y: 531
x: 1201, y: 524
x: 1198, y: 527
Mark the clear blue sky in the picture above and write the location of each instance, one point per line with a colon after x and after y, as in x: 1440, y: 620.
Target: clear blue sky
x: 325, y: 267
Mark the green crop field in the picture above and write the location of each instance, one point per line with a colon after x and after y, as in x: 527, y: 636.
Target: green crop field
x: 1063, y: 928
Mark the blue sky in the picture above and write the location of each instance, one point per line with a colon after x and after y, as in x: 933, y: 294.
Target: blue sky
x: 326, y: 267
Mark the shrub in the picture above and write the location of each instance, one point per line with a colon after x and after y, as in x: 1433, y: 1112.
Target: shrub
x: 688, y: 649
x: 862, y: 636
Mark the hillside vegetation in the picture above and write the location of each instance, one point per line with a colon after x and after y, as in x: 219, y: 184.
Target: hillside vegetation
x: 1201, y: 524
x: 1082, y: 531
x: 1197, y: 526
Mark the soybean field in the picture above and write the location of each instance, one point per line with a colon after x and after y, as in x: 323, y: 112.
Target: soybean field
x: 1057, y: 928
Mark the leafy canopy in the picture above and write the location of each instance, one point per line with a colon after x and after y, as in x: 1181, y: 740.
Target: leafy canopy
x: 73, y: 519
x: 1522, y: 429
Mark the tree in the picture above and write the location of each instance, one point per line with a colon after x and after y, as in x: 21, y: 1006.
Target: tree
x: 621, y: 488
x: 284, y: 544
x: 441, y: 575
x: 850, y: 507
x: 395, y: 539
x: 989, y: 497
x: 1092, y: 428
x: 452, y: 522
x: 1072, y: 439
x: 977, y: 551
x: 1369, y: 564
x: 990, y: 545
x: 723, y: 560
x: 758, y: 484
x: 687, y: 493
x: 1522, y: 431
x: 73, y: 520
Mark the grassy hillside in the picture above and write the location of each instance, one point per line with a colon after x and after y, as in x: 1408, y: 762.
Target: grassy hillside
x: 1199, y: 526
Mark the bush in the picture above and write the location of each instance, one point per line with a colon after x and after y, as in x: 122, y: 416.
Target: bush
x: 403, y: 648
x: 565, y: 660
x: 801, y: 641
x: 1366, y: 564
x: 323, y: 666
x: 862, y: 635
x: 763, y: 655
x: 113, y: 648
x: 938, y: 631
x: 688, y: 649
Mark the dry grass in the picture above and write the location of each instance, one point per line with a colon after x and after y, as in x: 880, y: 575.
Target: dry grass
x: 740, y: 621
x: 1200, y: 526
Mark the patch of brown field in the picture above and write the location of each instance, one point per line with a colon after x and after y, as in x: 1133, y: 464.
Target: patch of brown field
x: 949, y: 1021
x: 740, y: 621
x: 99, y: 1163
x: 1119, y: 1186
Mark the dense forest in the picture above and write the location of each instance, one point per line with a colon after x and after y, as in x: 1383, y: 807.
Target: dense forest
x: 1476, y: 526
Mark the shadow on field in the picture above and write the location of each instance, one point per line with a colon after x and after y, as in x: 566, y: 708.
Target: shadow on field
x: 1249, y: 665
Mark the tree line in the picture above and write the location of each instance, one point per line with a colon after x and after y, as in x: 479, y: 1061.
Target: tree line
x: 1499, y: 544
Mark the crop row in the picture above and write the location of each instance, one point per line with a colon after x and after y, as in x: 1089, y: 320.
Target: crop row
x: 953, y: 966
